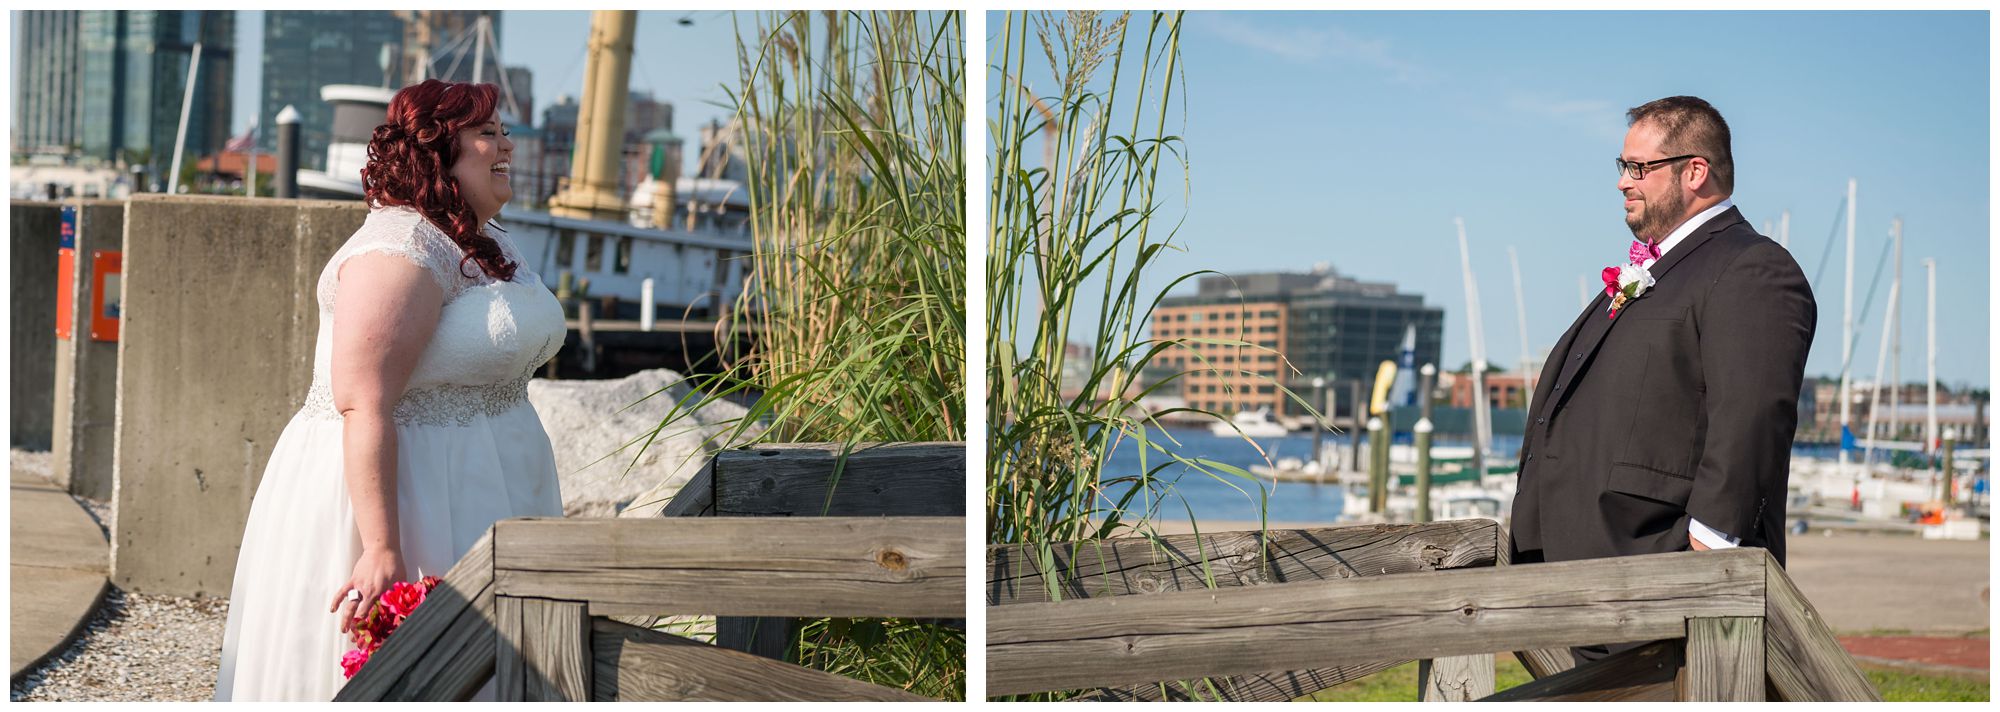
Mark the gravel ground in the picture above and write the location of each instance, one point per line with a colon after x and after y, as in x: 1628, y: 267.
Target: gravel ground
x: 138, y: 648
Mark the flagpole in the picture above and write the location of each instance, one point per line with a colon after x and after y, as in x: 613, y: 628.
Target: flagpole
x: 250, y: 190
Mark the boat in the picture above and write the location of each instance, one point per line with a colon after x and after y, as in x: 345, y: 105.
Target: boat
x: 1257, y: 423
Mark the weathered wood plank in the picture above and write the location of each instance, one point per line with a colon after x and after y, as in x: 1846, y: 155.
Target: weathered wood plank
x: 1541, y: 662
x: 696, y: 497
x: 1254, y: 687
x: 1725, y: 660
x: 1642, y: 674
x: 1458, y: 678
x: 1803, y: 661
x: 859, y: 567
x: 1544, y: 662
x: 635, y: 664
x: 543, y: 650
x: 1125, y: 566
x: 812, y: 480
x: 762, y: 637
x: 444, y: 651
x: 1189, y: 634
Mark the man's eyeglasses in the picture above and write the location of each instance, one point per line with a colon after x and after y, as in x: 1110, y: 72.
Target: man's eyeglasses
x: 1638, y: 170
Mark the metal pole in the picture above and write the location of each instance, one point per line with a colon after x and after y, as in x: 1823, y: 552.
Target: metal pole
x: 478, y: 49
x: 187, y: 102
x: 286, y: 183
x: 1785, y: 229
x: 646, y: 305
x: 1423, y: 432
x: 250, y: 190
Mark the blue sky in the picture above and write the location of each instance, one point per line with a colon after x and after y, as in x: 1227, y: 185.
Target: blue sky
x: 684, y: 65
x: 1355, y: 137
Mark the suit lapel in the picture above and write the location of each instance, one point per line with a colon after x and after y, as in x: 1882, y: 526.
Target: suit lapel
x: 1552, y: 368
x: 1591, y: 339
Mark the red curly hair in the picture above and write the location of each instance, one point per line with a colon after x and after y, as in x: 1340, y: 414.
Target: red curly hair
x: 410, y: 159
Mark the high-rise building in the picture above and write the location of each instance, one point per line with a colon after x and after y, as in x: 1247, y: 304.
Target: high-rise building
x: 47, y: 82
x: 644, y: 114
x: 305, y: 50
x: 558, y: 142
x: 521, y: 82
x: 135, y: 65
x: 1297, y: 327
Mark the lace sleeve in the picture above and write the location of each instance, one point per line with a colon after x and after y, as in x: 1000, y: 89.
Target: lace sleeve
x: 404, y: 234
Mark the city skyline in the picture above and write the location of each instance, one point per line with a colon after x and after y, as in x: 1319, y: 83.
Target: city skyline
x: 684, y: 65
x: 1355, y: 138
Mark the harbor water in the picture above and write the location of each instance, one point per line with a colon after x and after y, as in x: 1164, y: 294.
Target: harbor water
x: 1221, y: 496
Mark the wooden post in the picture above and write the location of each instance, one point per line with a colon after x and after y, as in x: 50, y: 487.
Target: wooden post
x: 1423, y: 442
x: 1725, y: 660
x: 1377, y: 489
x: 1355, y: 425
x: 1461, y: 678
x: 543, y: 652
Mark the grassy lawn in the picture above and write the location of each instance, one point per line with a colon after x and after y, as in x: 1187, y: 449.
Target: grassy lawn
x: 1399, y: 684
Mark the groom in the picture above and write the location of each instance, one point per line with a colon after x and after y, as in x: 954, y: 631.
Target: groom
x: 1664, y: 416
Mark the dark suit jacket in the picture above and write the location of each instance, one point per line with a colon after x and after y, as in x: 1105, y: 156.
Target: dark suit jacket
x: 1682, y: 406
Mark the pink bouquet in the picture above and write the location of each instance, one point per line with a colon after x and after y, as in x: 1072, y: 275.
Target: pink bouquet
x: 373, y: 629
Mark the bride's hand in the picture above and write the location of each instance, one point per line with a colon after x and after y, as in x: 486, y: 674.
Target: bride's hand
x: 374, y: 573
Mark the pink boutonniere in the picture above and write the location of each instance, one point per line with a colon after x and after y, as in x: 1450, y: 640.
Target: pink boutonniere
x: 1625, y: 283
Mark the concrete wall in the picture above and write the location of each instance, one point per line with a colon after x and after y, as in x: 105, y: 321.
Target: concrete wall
x: 86, y: 379
x: 215, y: 358
x: 35, y: 229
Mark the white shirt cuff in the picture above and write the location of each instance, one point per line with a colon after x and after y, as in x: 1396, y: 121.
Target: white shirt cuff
x: 1709, y: 537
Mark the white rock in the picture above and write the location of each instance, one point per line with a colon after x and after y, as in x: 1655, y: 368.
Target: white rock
x: 597, y: 430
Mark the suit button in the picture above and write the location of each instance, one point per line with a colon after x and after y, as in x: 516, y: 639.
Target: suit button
x: 1579, y: 356
x: 1539, y: 421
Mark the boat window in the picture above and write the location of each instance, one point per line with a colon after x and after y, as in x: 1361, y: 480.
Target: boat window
x: 593, y: 254
x: 623, y: 263
x: 566, y: 249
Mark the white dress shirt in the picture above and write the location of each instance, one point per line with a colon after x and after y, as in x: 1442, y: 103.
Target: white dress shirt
x: 1707, y: 535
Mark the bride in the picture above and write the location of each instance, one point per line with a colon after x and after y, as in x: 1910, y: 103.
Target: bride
x: 416, y: 434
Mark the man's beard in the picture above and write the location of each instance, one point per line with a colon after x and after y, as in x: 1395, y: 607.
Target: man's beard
x: 1656, y: 217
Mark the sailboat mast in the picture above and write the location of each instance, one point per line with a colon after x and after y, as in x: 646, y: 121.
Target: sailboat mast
x: 1481, y: 430
x: 1896, y: 337
x: 1521, y: 308
x: 1847, y: 330
x: 1930, y: 352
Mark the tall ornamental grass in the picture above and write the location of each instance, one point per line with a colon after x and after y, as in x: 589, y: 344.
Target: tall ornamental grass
x: 852, y: 127
x: 1077, y: 183
x: 1082, y: 157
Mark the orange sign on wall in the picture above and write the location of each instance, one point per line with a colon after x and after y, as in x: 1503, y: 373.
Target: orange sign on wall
x: 66, y: 273
x: 107, y: 272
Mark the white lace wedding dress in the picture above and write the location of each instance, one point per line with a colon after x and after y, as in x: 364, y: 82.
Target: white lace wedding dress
x: 470, y: 451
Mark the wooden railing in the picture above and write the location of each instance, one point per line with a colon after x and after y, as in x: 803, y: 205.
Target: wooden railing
x: 544, y: 607
x: 1283, y: 614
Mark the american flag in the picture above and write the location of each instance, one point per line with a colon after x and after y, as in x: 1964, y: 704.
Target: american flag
x: 242, y: 144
